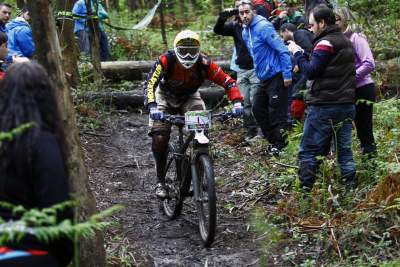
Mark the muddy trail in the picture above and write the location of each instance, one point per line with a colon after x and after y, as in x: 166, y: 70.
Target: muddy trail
x: 122, y: 171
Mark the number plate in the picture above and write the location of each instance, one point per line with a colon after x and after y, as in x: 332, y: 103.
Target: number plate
x: 197, y: 120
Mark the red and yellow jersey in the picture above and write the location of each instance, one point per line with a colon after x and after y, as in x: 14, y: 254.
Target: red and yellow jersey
x: 177, y: 81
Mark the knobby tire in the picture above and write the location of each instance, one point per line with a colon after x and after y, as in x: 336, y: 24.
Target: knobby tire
x: 207, y: 210
x: 172, y: 206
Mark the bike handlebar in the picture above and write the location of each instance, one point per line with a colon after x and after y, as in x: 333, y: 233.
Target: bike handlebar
x: 179, y: 120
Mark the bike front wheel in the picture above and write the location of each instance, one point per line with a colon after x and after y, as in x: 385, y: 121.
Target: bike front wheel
x: 172, y: 205
x: 206, y: 204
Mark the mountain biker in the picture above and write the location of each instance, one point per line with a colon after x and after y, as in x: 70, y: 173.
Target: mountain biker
x: 172, y: 86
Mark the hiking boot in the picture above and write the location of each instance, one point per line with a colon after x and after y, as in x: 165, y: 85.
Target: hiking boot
x: 161, y: 191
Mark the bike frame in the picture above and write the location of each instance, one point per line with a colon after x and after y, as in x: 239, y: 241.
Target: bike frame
x: 198, y: 150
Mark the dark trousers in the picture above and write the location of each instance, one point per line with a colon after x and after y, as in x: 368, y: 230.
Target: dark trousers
x: 365, y: 97
x: 104, y: 51
x: 270, y: 110
x: 84, y: 44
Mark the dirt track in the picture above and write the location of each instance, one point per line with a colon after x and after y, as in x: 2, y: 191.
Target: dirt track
x: 122, y: 172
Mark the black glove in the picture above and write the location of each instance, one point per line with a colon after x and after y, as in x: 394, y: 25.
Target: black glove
x: 227, y: 13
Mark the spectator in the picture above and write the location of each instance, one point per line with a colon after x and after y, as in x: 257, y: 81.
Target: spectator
x: 365, y: 87
x: 3, y: 52
x: 273, y: 67
x: 5, y: 15
x: 246, y: 76
x: 32, y: 172
x: 330, y: 99
x: 290, y: 14
x: 310, y: 4
x: 19, y: 32
x: 82, y: 32
x: 304, y: 39
x: 265, y: 8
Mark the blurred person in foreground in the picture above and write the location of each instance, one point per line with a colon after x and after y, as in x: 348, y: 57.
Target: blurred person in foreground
x: 32, y: 169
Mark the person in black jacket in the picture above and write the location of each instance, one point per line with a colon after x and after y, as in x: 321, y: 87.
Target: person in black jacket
x: 32, y: 171
x: 246, y: 76
x: 303, y: 38
x: 330, y: 99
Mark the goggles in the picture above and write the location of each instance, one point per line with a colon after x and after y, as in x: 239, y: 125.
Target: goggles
x: 188, y: 52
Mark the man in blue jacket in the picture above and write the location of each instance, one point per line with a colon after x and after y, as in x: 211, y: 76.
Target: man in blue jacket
x: 246, y: 76
x: 274, y: 69
x: 19, y: 32
x: 82, y: 32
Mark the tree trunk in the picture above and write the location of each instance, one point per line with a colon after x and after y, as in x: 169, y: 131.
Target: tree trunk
x: 68, y: 43
x: 94, y: 37
x: 131, y: 5
x: 182, y: 9
x: 162, y: 24
x: 48, y: 49
x: 21, y: 3
x: 114, y: 5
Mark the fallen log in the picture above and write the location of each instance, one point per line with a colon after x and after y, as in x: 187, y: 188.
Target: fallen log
x: 135, y: 70
x: 212, y: 96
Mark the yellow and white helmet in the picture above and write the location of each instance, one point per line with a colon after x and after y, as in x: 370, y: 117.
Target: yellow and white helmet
x: 187, y: 48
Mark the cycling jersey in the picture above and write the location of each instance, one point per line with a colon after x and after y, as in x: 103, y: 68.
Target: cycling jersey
x: 176, y: 81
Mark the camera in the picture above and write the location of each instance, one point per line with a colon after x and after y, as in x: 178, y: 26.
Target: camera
x: 230, y: 12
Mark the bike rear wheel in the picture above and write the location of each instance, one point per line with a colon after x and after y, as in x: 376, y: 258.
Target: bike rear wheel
x: 206, y: 204
x: 172, y: 205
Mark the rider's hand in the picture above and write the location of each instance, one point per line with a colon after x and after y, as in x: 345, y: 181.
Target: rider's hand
x: 237, y: 109
x: 156, y: 114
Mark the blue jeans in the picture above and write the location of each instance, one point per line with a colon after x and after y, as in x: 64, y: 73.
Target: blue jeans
x: 324, y: 123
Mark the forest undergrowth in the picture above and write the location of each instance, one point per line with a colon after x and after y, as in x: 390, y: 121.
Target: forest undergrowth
x: 334, y: 225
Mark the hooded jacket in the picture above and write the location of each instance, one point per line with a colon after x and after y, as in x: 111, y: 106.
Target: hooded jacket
x: 80, y: 10
x: 20, y: 41
x: 269, y: 53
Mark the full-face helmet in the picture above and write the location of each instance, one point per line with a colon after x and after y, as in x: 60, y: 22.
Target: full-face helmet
x: 187, y: 48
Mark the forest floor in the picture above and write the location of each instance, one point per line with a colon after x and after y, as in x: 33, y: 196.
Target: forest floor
x: 121, y: 167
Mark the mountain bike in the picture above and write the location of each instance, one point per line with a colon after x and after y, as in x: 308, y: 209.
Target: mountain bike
x: 189, y: 163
